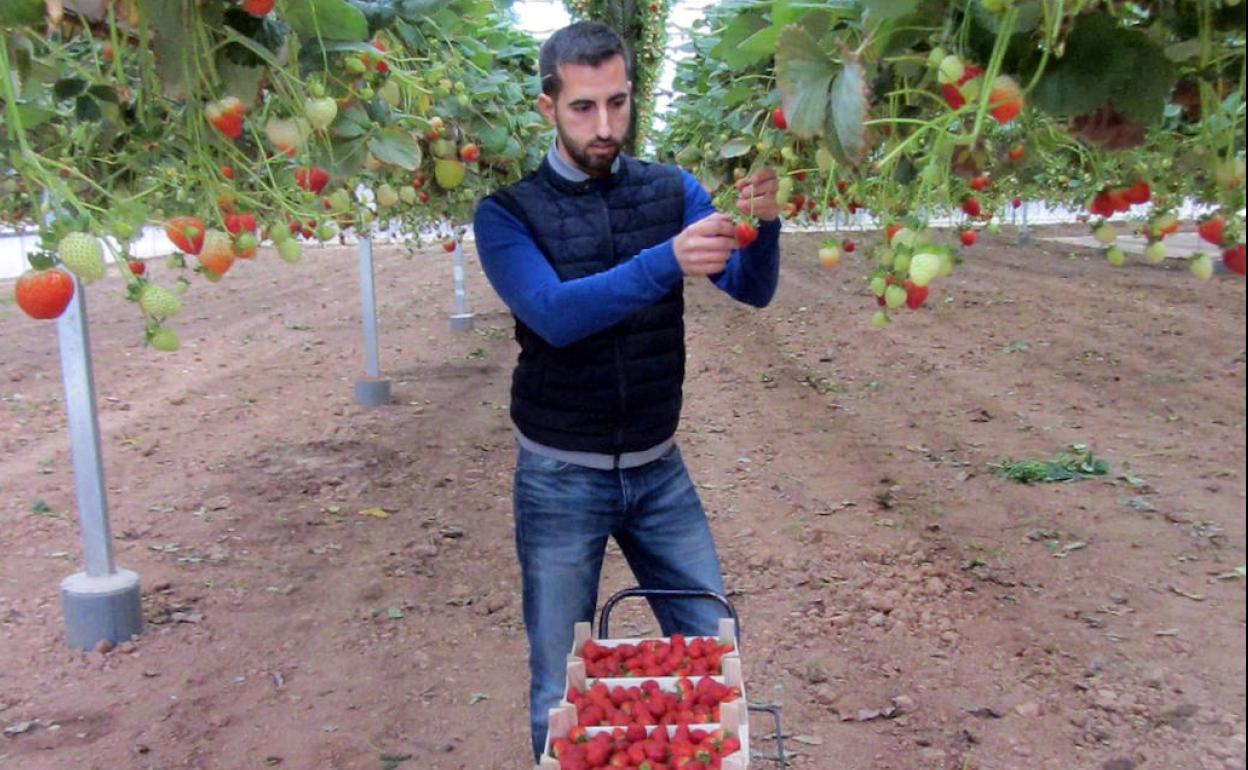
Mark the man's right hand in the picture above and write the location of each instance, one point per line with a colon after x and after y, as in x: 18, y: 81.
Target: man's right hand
x: 703, y: 248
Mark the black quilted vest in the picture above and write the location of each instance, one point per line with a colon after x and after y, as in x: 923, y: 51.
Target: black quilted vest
x: 618, y: 390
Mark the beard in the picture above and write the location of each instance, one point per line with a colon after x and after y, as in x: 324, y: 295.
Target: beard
x: 594, y: 164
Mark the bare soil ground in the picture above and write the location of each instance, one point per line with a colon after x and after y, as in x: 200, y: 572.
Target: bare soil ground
x: 327, y: 586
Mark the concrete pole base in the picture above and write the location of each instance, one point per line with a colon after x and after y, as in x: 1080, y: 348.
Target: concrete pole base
x: 100, y: 609
x: 461, y: 322
x: 1025, y: 239
x: 372, y: 392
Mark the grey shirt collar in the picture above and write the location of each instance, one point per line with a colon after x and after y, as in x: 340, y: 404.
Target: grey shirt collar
x: 567, y: 170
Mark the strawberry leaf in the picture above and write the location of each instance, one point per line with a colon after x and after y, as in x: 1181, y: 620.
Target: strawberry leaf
x: 397, y: 147
x: 847, y: 113
x: 804, y: 73
x: 326, y: 19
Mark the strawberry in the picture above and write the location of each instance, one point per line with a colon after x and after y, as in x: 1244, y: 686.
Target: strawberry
x: 320, y: 112
x: 187, y: 233
x: 915, y: 295
x: 1138, y: 193
x: 469, y: 153
x: 287, y: 135
x: 1118, y: 199
x: 971, y: 206
x: 158, y: 301
x: 136, y: 266
x: 747, y: 233
x: 1015, y: 153
x: 1005, y: 100
x: 1233, y: 258
x: 258, y: 8
x: 968, y: 237
x: 163, y: 338
x: 44, y: 294
x: 924, y: 267
x: 1016, y: 202
x: 849, y: 246
x: 449, y: 245
x: 245, y: 245
x: 778, y: 119
x: 217, y: 255
x: 979, y: 183
x: 227, y: 172
x: 1201, y: 266
x: 892, y: 229
x: 238, y: 223
x: 1213, y: 229
x: 829, y: 255
x: 1102, y: 205
x: 82, y: 255
x: 226, y: 115
x: 289, y: 250
x: 312, y: 179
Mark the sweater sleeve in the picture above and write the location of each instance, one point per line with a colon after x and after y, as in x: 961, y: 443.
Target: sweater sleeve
x: 564, y: 312
x: 752, y: 273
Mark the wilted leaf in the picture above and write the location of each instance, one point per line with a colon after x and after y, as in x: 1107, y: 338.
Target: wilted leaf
x: 804, y: 74
x: 848, y: 112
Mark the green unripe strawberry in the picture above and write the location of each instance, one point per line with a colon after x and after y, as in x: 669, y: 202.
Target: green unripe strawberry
x: 878, y: 286
x: 951, y: 69
x: 158, y: 301
x: 880, y: 319
x: 390, y: 93
x: 1155, y: 253
x: 163, y: 338
x: 320, y: 112
x: 924, y: 267
x: 894, y: 297
x: 1105, y: 234
x: 82, y: 255
x: 324, y: 231
x: 1201, y: 266
x: 289, y: 250
x: 181, y: 285
x: 386, y: 196
x: 1115, y: 256
x: 902, y: 262
x: 407, y: 194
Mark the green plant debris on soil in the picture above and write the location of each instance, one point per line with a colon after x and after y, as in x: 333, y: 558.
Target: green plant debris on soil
x: 1073, y: 463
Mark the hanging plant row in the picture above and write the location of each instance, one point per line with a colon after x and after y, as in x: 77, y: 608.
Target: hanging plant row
x: 230, y: 122
x: 914, y: 109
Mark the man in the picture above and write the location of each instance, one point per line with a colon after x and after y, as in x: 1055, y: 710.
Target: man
x: 589, y: 253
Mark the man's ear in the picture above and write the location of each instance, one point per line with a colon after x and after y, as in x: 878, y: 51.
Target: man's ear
x: 546, y: 106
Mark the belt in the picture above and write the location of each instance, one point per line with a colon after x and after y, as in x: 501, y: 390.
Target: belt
x: 598, y: 460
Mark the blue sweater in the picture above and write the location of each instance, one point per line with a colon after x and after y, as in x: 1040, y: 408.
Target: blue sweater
x: 563, y: 312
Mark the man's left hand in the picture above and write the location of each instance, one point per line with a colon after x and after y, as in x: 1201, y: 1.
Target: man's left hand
x: 756, y: 195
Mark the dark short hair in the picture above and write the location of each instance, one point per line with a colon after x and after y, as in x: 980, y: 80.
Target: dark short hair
x: 585, y: 42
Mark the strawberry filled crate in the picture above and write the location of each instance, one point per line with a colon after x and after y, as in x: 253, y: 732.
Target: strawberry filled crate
x: 655, y: 703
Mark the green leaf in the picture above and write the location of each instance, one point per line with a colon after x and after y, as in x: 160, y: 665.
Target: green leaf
x: 326, y: 19
x: 735, y: 148
x: 1030, y: 14
x: 880, y: 11
x: 397, y: 147
x: 68, y: 88
x: 493, y: 139
x: 172, y: 24
x: 18, y: 13
x: 804, y: 74
x: 351, y: 122
x: 729, y: 50
x: 847, y: 111
x: 32, y: 116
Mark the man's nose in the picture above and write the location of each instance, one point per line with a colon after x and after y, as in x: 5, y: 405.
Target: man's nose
x: 604, y: 122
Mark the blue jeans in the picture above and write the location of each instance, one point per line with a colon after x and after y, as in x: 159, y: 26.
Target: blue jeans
x: 564, y: 515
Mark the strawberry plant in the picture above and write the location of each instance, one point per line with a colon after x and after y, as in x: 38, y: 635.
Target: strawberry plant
x: 227, y: 122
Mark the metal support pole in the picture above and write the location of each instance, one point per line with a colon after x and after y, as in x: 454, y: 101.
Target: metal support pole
x: 102, y: 603
x: 373, y: 390
x: 1024, y: 235
x: 461, y: 320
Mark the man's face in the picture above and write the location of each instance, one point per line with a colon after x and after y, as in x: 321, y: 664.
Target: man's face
x: 591, y: 113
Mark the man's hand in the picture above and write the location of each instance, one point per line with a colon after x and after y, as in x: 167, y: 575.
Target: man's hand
x: 703, y: 248
x: 757, y: 195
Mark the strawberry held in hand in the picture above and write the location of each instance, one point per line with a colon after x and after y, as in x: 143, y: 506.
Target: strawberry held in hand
x: 747, y: 233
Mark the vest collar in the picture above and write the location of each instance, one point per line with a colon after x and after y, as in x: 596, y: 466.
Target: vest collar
x: 569, y: 179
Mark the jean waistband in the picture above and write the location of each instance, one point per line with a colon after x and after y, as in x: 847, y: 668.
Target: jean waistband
x: 596, y: 460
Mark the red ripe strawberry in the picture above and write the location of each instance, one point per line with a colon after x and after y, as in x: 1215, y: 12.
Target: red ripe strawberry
x: 849, y: 246
x: 226, y: 115
x: 187, y: 233
x: 915, y: 295
x: 890, y: 230
x: 1005, y: 100
x: 778, y: 119
x: 44, y: 294
x: 1017, y: 202
x: 1118, y: 199
x: 1233, y: 258
x: 469, y: 153
x: 968, y: 237
x: 137, y: 266
x: 1138, y: 193
x: 227, y: 172
x: 258, y: 8
x: 979, y: 183
x: 747, y: 233
x: 238, y: 223
x: 218, y: 254
x: 1213, y: 229
x: 312, y: 179
x: 953, y: 96
x: 449, y: 245
x: 971, y: 207
x: 1102, y: 205
x: 1015, y: 153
